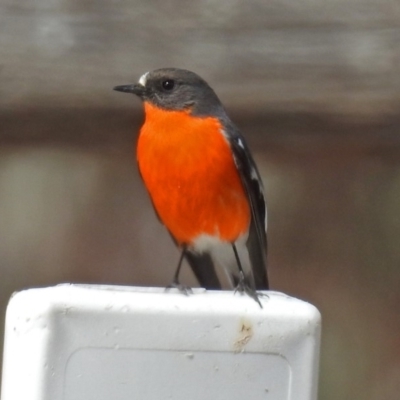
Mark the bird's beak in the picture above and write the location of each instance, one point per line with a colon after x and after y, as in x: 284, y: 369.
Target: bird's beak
x: 136, y: 88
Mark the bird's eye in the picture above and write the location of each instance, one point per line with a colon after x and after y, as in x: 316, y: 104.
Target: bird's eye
x: 168, y: 84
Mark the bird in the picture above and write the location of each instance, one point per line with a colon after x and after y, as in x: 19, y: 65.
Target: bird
x: 202, y: 180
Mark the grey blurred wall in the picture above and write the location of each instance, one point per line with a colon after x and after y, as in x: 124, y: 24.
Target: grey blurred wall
x: 315, y: 88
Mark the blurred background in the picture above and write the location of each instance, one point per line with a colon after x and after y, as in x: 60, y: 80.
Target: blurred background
x: 315, y: 88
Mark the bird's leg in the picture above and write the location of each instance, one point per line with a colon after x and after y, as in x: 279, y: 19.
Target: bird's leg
x: 243, y: 286
x: 175, y: 280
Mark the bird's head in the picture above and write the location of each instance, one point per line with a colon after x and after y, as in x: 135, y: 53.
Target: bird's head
x: 175, y: 89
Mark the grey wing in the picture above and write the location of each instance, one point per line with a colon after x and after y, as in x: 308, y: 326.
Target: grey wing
x: 251, y: 180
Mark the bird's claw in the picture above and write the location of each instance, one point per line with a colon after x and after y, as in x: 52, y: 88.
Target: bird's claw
x: 243, y: 287
x: 186, y: 290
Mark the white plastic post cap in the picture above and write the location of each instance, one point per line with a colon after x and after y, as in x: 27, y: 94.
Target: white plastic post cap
x: 75, y: 342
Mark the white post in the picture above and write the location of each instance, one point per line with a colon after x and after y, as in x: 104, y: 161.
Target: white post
x: 76, y: 342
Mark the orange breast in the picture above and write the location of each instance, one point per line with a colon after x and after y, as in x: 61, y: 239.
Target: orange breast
x: 189, y: 171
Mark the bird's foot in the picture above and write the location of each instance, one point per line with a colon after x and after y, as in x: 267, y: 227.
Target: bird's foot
x: 186, y: 290
x: 244, y: 287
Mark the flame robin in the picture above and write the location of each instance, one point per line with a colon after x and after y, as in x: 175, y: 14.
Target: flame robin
x: 202, y: 180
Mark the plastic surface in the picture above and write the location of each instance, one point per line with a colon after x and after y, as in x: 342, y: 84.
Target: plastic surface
x: 75, y: 342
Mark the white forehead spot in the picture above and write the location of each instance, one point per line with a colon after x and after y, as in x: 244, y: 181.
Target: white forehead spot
x: 143, y: 79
